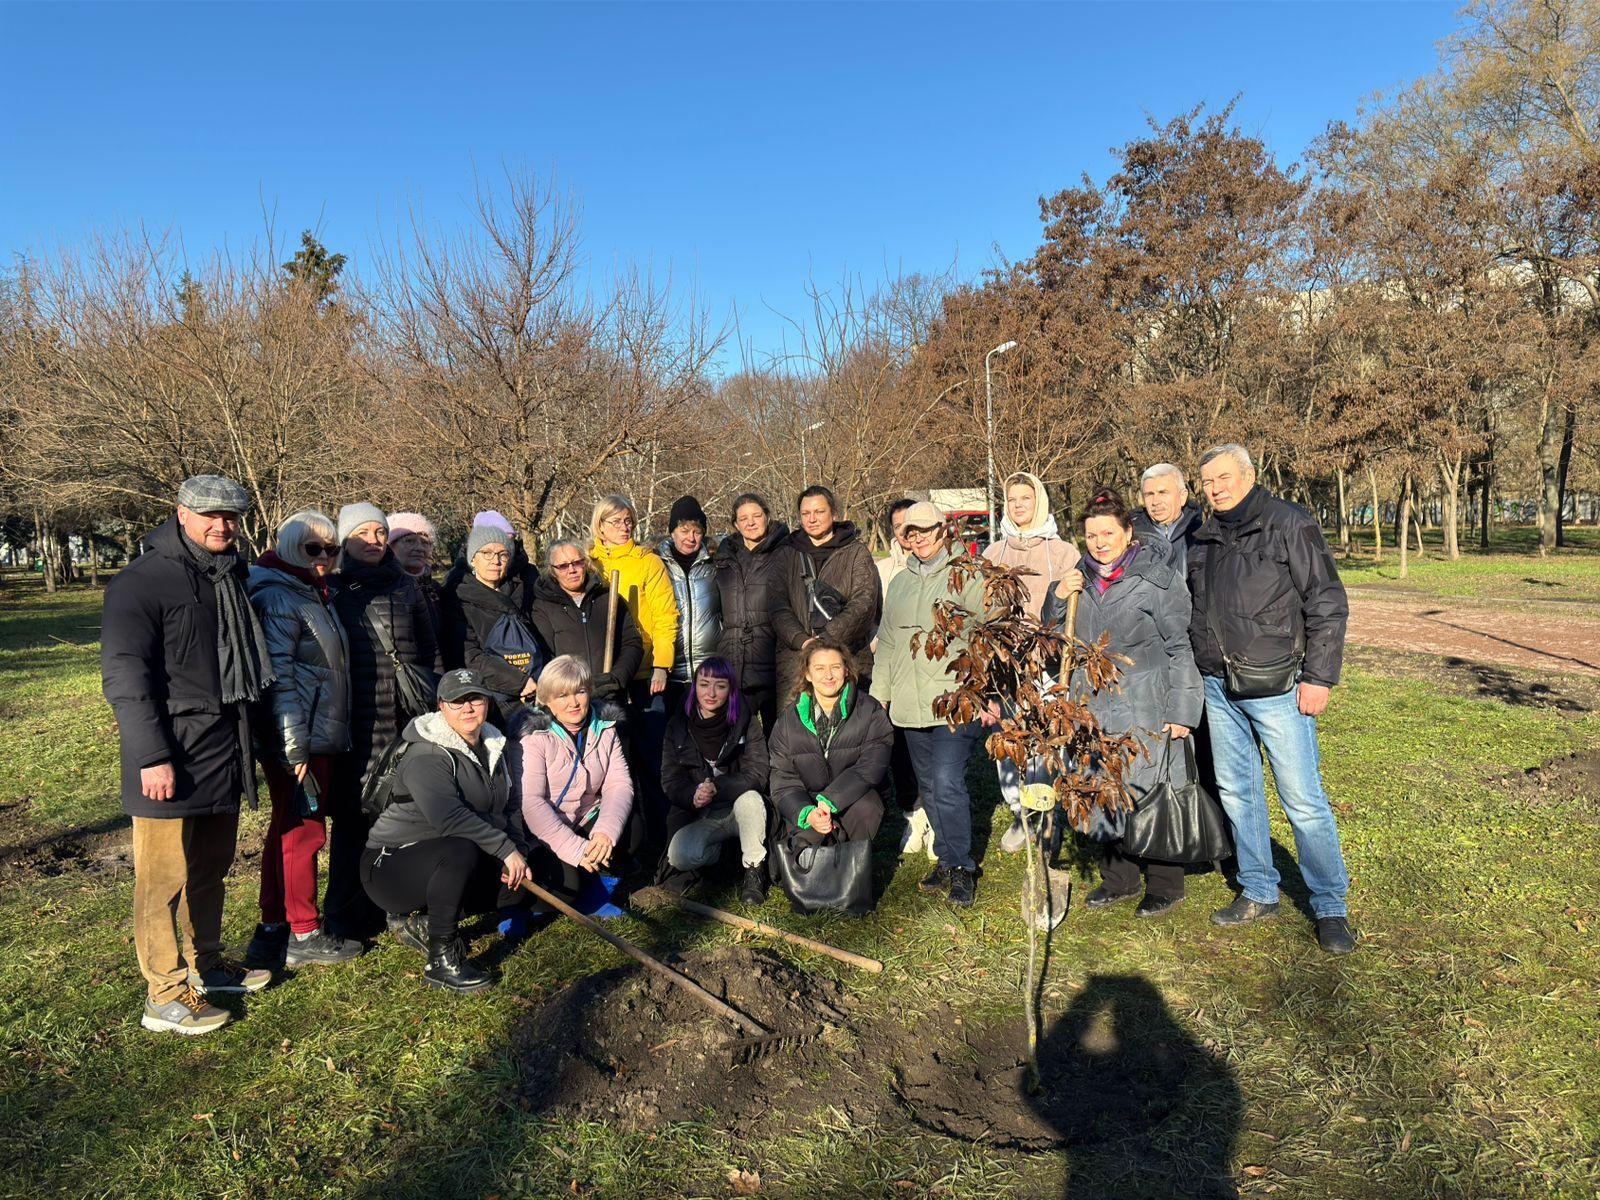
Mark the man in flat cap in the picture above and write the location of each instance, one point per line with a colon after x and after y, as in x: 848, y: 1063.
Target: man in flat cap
x: 182, y: 656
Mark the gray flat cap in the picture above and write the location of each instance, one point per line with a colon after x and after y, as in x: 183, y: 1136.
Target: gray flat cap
x: 213, y: 493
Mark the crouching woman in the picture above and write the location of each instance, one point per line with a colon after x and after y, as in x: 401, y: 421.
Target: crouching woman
x: 830, y: 758
x: 714, y: 773
x: 576, y: 790
x: 451, y: 841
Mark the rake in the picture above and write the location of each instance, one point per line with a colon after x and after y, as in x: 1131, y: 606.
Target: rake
x: 759, y: 1042
x: 656, y: 897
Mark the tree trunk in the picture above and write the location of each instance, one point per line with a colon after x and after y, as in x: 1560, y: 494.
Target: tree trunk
x: 1550, y: 428
x: 46, y: 551
x: 1377, y: 516
x: 1569, y: 428
x: 1404, y: 518
x: 94, y: 560
x: 1450, y: 476
x: 1344, y: 516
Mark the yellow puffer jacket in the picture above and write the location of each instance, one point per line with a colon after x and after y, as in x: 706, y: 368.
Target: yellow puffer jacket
x: 647, y: 588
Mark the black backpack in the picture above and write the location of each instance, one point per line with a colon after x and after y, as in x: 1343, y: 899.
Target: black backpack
x: 379, y: 791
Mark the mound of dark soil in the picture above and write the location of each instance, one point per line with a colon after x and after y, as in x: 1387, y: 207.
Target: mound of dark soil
x: 1573, y: 776
x: 627, y: 1047
x: 105, y: 848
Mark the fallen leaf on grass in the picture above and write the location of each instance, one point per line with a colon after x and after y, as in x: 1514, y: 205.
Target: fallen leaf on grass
x: 744, y: 1183
x: 202, y: 1116
x: 1255, y: 1172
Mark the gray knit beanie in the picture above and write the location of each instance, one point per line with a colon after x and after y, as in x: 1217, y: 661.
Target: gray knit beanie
x: 487, y: 533
x: 353, y: 516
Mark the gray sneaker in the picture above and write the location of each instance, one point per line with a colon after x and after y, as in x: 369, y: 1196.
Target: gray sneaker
x: 322, y: 947
x: 188, y: 1014
x: 1015, y: 838
x: 228, y: 977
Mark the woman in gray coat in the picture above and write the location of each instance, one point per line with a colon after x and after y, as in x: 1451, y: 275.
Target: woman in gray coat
x: 300, y: 724
x: 1134, y: 593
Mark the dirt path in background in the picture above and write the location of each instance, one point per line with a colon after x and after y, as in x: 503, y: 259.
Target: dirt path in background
x: 1509, y: 636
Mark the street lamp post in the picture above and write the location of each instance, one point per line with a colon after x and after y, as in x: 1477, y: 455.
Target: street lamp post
x: 988, y: 427
x: 805, y: 469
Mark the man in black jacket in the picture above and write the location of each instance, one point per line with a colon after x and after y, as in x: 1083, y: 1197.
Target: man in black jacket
x: 1168, y: 513
x: 182, y: 655
x: 1268, y: 636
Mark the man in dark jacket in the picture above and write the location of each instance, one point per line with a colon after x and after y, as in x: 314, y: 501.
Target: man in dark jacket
x: 569, y: 610
x: 1268, y: 637
x: 1168, y: 512
x: 182, y: 656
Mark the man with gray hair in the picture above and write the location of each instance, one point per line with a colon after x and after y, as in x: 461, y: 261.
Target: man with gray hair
x: 1168, y: 512
x: 1268, y: 635
x: 182, y: 656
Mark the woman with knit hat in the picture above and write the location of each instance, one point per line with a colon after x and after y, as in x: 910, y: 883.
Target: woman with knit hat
x: 643, y: 582
x: 414, y: 539
x: 486, y: 625
x: 300, y: 725
x: 388, y: 622
x: 1029, y: 538
x: 690, y: 565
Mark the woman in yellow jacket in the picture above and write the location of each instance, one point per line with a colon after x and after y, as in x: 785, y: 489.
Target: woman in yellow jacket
x: 644, y: 583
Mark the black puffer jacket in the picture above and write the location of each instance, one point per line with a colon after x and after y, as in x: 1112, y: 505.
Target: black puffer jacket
x: 158, y: 668
x: 845, y: 570
x: 394, y: 600
x: 580, y: 630
x: 854, y: 763
x: 1179, y: 539
x: 1273, y: 578
x: 471, y: 609
x: 750, y: 584
x: 740, y: 767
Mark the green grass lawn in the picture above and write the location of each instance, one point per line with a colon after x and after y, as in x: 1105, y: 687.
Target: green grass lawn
x: 1514, y: 571
x: 1454, y: 1055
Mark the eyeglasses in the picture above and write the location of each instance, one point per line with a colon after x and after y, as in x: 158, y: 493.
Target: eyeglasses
x: 575, y: 565
x: 493, y: 556
x: 318, y: 550
x: 466, y: 701
x: 618, y: 522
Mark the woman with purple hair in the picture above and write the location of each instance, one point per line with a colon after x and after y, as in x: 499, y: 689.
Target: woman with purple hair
x: 714, y: 774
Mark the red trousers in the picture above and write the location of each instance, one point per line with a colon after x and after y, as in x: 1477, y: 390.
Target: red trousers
x: 289, y: 859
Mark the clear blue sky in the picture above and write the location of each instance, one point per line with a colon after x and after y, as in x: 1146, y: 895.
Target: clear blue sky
x: 743, y: 147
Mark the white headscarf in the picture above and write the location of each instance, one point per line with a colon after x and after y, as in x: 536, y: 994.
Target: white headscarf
x: 1045, y: 528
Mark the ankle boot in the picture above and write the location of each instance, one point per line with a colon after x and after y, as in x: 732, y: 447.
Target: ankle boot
x: 449, y: 967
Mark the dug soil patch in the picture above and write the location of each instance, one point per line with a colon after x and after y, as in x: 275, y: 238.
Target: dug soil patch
x: 1117, y: 1070
x: 105, y: 848
x: 1574, y: 776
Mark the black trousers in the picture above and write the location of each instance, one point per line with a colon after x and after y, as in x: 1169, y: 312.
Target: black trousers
x: 858, y: 823
x: 1120, y: 874
x: 450, y: 877
x: 346, y: 910
x: 906, y: 792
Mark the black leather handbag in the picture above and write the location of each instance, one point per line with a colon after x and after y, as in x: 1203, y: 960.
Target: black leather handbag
x: 836, y: 877
x: 1245, y: 679
x: 1180, y: 824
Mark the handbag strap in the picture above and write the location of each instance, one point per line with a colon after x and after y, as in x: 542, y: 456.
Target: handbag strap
x: 385, y: 642
x: 1213, y: 621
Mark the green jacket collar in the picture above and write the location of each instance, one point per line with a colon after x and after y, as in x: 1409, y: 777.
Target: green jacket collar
x: 803, y: 707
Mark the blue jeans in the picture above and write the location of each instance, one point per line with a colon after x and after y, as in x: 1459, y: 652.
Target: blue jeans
x: 939, y: 755
x: 1240, y: 730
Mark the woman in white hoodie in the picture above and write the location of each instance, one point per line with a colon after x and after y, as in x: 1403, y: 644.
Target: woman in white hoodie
x: 1029, y: 538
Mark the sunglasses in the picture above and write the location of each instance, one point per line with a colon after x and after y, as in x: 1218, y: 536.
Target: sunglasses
x: 318, y: 550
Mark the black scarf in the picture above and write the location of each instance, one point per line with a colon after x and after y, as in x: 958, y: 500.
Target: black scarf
x: 378, y: 577
x: 710, y: 734
x: 686, y: 561
x: 243, y: 662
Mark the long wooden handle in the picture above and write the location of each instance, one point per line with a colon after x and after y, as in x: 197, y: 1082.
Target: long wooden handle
x: 611, y: 622
x: 1071, y: 631
x: 728, y: 918
x: 749, y: 1024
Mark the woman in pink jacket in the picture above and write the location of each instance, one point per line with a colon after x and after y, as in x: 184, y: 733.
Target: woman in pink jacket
x: 576, y: 790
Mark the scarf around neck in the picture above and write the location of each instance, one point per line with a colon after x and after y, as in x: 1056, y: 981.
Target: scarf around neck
x: 243, y: 663
x: 317, y: 583
x: 1105, y: 574
x: 709, y: 733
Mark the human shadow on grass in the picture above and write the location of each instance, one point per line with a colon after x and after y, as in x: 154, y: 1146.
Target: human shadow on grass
x: 1142, y: 1109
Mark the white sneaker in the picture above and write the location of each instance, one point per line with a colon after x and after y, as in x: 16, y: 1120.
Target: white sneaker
x: 1015, y: 838
x: 918, y: 834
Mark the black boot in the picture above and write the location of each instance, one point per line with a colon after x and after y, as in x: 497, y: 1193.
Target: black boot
x: 268, y: 947
x: 449, y: 967
x: 753, y: 890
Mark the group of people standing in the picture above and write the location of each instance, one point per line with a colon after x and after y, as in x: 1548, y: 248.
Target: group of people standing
x: 627, y: 710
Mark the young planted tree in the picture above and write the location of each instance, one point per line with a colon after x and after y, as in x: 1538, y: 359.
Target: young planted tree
x: 1048, y: 676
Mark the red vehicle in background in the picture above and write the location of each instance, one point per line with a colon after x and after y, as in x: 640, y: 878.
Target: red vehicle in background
x: 967, y: 511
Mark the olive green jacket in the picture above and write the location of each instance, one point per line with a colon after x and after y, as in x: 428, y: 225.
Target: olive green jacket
x: 907, y: 684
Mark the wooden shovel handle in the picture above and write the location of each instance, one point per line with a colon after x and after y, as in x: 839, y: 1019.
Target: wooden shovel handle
x: 611, y: 622
x: 728, y: 918
x: 1071, y: 630
x: 751, y: 1026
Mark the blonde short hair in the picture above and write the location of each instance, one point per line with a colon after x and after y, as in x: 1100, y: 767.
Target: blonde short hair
x: 562, y: 676
x: 604, y: 509
x: 299, y: 529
